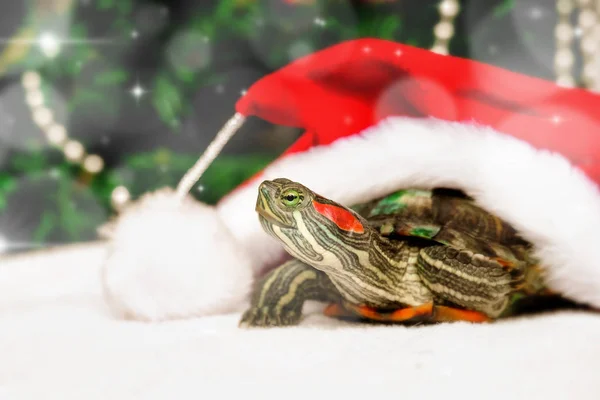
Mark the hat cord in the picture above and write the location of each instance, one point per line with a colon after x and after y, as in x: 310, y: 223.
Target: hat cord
x: 210, y: 154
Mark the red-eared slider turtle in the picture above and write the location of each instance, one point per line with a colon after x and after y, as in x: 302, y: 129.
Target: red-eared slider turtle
x: 413, y: 255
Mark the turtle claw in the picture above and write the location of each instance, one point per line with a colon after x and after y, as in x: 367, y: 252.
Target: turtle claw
x: 266, y: 317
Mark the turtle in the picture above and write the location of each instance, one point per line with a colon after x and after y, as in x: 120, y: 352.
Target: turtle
x: 411, y: 256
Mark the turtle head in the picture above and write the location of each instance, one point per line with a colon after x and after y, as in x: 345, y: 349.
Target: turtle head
x: 307, y: 224
x: 279, y: 200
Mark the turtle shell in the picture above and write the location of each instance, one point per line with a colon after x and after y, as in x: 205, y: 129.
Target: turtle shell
x: 447, y: 217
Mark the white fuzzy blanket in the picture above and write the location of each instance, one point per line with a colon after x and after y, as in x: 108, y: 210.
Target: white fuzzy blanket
x: 57, y: 341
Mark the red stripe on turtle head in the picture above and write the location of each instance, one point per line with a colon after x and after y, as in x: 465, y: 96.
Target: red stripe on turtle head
x: 343, y: 218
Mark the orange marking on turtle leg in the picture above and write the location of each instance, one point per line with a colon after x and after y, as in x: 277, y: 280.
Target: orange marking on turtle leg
x: 401, y: 315
x: 505, y: 263
x: 405, y: 314
x: 335, y: 310
x: 367, y: 312
x: 449, y: 314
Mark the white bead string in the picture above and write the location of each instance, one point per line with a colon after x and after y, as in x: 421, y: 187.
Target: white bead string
x: 588, y: 22
x: 564, y: 33
x: 588, y: 25
x: 443, y: 31
x: 596, y: 60
x: 57, y: 135
x: 55, y: 132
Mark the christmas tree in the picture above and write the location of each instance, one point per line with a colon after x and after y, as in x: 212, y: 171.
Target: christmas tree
x: 101, y: 101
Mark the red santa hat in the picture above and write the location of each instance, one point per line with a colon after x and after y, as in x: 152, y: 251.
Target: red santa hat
x: 378, y: 116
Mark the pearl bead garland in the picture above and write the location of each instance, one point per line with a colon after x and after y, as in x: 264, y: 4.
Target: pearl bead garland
x: 120, y: 197
x: 55, y: 132
x: 564, y: 59
x: 589, y: 26
x: 444, y: 30
x: 588, y: 20
x: 57, y: 135
x: 596, y: 58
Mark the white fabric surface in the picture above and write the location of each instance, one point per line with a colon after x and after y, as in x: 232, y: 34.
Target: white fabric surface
x: 58, y: 341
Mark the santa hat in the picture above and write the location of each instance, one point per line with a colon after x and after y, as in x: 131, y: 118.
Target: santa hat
x: 378, y: 116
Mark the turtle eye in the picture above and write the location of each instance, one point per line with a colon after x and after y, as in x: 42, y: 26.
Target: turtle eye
x: 291, y: 198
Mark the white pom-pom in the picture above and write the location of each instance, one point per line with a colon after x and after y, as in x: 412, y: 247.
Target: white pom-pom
x: 173, y: 259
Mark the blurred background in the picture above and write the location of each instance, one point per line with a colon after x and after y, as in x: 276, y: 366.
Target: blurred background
x: 103, y: 100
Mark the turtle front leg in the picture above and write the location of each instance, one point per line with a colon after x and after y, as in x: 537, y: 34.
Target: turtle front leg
x: 278, y: 298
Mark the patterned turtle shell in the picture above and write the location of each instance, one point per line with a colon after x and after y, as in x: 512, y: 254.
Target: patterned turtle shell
x: 451, y: 218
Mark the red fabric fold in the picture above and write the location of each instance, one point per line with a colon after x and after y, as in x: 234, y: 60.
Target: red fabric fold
x: 341, y: 90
